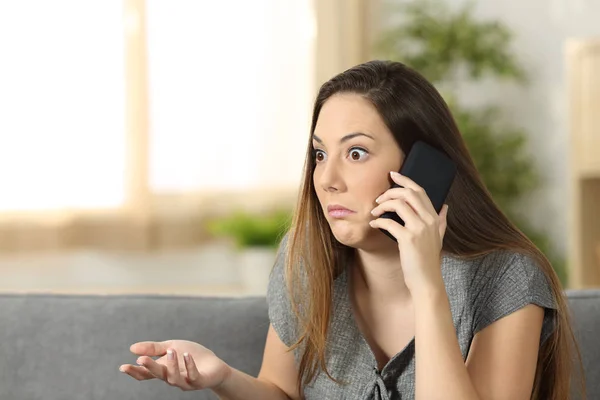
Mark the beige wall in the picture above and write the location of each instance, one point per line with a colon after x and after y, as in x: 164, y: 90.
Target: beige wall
x: 345, y: 30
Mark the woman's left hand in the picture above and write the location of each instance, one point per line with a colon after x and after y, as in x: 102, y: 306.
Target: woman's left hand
x: 420, y: 239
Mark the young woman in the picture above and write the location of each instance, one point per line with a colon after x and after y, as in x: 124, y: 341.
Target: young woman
x: 461, y: 306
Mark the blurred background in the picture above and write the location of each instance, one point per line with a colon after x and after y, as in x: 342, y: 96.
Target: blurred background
x: 154, y: 146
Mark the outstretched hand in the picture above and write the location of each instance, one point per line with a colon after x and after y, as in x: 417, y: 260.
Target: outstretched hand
x: 181, y: 363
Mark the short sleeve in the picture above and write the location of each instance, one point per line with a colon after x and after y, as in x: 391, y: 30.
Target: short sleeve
x: 281, y: 315
x: 515, y: 281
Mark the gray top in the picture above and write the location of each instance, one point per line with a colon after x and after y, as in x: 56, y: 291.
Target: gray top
x: 480, y: 292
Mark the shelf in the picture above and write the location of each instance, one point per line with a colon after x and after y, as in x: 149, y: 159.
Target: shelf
x: 585, y: 249
x: 583, y: 57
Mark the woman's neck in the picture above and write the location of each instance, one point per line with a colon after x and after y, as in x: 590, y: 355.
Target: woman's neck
x: 378, y: 275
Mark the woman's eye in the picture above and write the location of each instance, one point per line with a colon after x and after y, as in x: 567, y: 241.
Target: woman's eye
x: 319, y: 155
x: 357, y: 154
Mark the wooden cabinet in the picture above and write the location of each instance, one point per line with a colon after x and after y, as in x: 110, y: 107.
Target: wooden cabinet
x: 583, y: 59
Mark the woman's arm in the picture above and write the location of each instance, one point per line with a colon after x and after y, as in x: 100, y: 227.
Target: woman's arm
x: 241, y: 386
x: 191, y: 366
x: 503, y: 356
x: 501, y: 362
x: 276, y: 380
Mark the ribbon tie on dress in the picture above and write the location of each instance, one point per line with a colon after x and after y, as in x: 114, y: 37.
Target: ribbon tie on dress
x: 381, y: 386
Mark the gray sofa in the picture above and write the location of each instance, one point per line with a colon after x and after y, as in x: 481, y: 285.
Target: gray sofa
x: 67, y: 347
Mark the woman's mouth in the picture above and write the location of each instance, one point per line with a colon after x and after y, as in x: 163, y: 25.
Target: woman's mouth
x: 338, y: 211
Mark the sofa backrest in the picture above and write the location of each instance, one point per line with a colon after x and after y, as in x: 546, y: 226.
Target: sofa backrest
x: 69, y: 347
x: 585, y: 309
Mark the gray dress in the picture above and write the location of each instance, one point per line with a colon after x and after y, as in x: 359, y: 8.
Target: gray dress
x: 480, y: 292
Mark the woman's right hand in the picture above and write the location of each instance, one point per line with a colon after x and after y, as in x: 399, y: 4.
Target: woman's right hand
x: 191, y: 367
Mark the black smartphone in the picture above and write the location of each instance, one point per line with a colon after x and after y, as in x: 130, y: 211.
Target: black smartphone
x: 429, y: 168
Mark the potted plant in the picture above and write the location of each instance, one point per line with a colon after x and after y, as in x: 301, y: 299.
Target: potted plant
x: 256, y: 237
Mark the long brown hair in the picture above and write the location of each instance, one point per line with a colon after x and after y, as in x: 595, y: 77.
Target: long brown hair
x: 413, y: 110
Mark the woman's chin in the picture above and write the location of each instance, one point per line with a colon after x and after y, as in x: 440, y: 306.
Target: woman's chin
x: 350, y: 234
x: 358, y: 237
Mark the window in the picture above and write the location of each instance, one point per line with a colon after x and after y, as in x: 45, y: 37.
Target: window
x: 231, y: 86
x: 61, y: 100
x: 230, y: 90
x: 221, y: 91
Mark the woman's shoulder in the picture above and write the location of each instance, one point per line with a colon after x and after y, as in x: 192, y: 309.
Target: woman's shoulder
x: 499, y: 279
x: 496, y: 284
x: 492, y: 268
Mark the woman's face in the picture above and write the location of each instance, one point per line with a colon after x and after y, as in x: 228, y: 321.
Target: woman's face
x: 354, y: 152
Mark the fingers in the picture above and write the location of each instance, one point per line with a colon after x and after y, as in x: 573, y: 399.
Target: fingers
x: 136, y: 372
x: 414, y: 194
x: 173, y: 377
x: 167, y: 369
x: 411, y: 197
x: 443, y: 221
x: 150, y: 349
x: 404, y: 211
x: 193, y: 376
x: 400, y: 207
x: 156, y: 369
x: 405, y: 181
x: 389, y: 225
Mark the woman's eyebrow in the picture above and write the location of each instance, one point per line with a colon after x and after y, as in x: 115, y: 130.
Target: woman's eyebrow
x: 347, y: 137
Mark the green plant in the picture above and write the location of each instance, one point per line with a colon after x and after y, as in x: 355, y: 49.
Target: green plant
x: 252, y: 229
x: 450, y: 46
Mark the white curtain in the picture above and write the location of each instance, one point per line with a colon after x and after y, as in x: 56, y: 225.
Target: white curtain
x: 231, y: 86
x: 61, y: 104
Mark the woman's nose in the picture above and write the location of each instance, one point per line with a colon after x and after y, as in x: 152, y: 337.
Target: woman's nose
x: 331, y: 177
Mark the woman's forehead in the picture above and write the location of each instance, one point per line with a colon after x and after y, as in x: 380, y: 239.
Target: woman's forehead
x: 347, y: 114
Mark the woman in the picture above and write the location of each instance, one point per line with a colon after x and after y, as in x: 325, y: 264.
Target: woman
x: 462, y: 306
